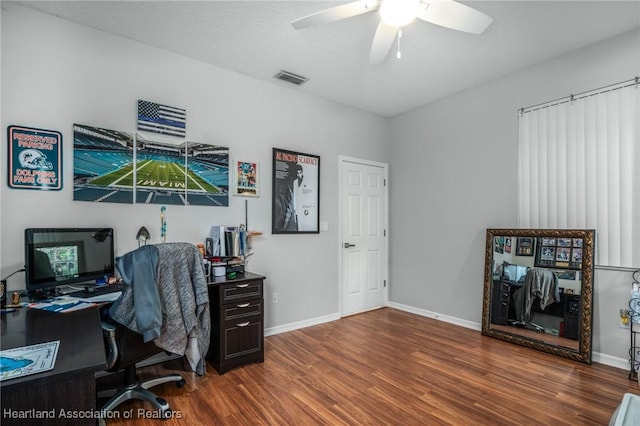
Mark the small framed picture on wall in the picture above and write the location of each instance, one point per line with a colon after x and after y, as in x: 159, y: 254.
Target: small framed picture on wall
x: 246, y: 179
x: 524, y: 246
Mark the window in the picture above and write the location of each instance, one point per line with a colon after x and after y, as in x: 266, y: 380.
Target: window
x: 579, y: 168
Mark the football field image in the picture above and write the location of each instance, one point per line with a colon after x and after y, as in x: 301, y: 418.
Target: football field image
x: 186, y: 173
x: 155, y: 174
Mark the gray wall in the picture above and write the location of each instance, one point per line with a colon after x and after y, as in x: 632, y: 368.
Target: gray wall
x: 452, y: 163
x: 55, y: 74
x: 458, y: 156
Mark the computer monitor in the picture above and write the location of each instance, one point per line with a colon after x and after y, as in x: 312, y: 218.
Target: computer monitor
x: 514, y: 274
x: 58, y: 256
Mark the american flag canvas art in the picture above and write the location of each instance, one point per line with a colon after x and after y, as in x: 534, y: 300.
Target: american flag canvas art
x: 161, y: 119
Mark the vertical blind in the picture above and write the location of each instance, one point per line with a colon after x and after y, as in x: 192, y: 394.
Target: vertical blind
x: 579, y: 168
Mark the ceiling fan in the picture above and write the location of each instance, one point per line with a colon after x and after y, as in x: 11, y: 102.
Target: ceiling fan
x: 395, y: 14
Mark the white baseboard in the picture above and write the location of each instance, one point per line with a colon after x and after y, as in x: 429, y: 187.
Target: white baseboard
x: 435, y: 315
x: 301, y: 324
x: 609, y: 360
x: 600, y: 358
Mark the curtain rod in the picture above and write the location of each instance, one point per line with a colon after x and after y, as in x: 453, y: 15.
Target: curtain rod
x: 616, y: 268
x: 631, y: 82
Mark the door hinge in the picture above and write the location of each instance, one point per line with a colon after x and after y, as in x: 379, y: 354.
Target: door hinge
x: 384, y: 232
x: 385, y: 282
x: 384, y: 182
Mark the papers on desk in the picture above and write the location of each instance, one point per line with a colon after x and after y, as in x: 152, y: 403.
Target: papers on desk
x: 18, y: 362
x: 62, y: 305
x: 107, y: 297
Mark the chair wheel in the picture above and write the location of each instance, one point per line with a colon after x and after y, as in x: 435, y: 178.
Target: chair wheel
x: 166, y: 414
x: 181, y: 383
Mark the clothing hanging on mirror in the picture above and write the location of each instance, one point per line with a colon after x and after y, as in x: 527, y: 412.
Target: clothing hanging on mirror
x: 540, y: 284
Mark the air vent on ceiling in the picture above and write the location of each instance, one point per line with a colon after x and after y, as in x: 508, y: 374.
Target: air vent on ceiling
x: 290, y: 77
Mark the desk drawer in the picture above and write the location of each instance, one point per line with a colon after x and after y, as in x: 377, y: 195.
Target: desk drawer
x: 237, y: 322
x: 503, y: 310
x: 234, y: 311
x: 234, y: 293
x: 242, y: 337
x: 505, y: 290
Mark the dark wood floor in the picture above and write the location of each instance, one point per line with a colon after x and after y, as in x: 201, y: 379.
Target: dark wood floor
x: 388, y: 367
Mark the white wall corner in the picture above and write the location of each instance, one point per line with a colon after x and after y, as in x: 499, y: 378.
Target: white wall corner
x: 435, y: 315
x: 300, y: 324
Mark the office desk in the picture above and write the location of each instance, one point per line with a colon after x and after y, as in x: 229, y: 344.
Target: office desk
x: 70, y: 386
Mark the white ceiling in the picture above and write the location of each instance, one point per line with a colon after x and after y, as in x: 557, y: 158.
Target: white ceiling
x: 255, y: 38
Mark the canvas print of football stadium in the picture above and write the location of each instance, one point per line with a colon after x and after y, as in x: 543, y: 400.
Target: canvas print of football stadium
x: 187, y: 173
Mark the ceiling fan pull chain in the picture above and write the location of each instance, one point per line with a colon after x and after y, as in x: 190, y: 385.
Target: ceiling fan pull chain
x: 399, y: 54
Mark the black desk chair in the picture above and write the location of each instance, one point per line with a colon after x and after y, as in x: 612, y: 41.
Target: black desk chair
x: 124, y: 349
x: 165, y: 295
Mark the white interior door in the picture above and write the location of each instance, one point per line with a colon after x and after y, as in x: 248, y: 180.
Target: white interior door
x: 364, y: 243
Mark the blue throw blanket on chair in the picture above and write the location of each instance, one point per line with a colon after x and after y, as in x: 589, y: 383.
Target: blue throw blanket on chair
x: 166, y: 299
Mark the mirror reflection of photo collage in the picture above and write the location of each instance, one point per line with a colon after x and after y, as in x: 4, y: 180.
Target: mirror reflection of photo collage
x: 548, y: 253
x: 560, y: 252
x: 576, y: 250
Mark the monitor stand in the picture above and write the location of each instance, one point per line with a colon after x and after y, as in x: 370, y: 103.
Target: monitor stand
x: 43, y: 294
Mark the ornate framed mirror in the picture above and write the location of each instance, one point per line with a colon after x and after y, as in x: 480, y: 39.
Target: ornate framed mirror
x: 538, y: 289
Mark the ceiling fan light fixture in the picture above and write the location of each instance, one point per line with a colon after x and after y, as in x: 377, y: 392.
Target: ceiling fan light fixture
x: 398, y: 13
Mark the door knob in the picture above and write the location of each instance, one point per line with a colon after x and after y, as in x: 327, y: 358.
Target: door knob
x: 347, y: 245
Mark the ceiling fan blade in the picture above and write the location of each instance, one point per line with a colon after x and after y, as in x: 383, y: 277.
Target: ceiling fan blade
x: 336, y: 13
x: 454, y: 15
x: 382, y: 41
